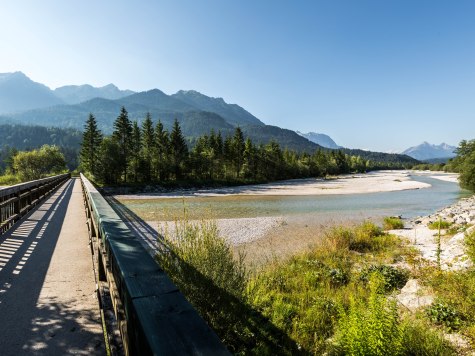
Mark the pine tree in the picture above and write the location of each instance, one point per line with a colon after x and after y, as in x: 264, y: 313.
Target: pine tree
x: 162, y: 146
x: 179, y: 149
x: 91, y: 141
x: 238, y: 146
x: 148, y: 146
x: 136, y: 148
x: 122, y: 135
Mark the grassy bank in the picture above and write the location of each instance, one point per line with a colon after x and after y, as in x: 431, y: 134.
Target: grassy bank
x: 336, y: 299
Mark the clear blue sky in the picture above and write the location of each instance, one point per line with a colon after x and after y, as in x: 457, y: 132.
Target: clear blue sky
x: 380, y: 75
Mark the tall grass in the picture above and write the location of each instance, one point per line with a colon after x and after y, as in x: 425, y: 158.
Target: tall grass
x: 202, y: 265
x: 371, y: 328
x: 392, y: 223
x: 313, y: 303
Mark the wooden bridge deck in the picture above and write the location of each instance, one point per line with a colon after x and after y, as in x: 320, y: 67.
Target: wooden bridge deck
x: 48, y: 304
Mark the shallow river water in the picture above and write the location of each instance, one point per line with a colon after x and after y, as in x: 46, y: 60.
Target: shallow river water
x: 408, y: 203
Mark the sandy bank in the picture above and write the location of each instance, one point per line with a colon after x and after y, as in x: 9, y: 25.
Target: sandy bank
x: 452, y: 256
x: 382, y: 181
x: 235, y: 231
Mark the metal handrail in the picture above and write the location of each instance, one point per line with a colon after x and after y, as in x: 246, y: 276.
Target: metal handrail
x: 153, y: 316
x: 19, y: 199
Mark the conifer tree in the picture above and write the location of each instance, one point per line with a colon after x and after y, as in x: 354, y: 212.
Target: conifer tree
x: 136, y: 148
x: 148, y: 146
x: 238, y: 146
x: 122, y: 135
x: 179, y: 149
x: 162, y: 146
x: 91, y: 141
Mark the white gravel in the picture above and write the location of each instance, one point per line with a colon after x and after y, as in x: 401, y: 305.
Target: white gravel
x: 235, y: 231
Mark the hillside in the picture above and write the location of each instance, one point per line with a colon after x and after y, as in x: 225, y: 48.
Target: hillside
x: 233, y: 113
x: 25, y: 137
x: 197, y: 113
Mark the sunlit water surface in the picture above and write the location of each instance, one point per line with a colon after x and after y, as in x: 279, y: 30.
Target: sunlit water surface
x: 408, y: 203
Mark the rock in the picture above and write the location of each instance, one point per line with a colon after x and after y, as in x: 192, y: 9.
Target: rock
x: 411, y: 297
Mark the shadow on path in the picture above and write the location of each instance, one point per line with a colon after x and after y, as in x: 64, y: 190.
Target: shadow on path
x: 27, y: 327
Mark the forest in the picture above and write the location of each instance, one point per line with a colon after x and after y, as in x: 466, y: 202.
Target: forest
x: 149, y: 153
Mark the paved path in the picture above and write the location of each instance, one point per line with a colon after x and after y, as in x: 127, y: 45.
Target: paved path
x: 48, y: 304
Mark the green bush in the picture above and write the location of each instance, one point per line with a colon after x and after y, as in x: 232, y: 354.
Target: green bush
x: 420, y: 340
x: 202, y: 265
x: 392, y: 223
x: 470, y: 245
x: 371, y: 328
x: 9, y: 179
x: 444, y: 314
x: 442, y: 224
x: 392, y: 278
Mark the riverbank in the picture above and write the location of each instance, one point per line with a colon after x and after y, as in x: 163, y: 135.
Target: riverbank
x: 457, y: 220
x: 372, y: 182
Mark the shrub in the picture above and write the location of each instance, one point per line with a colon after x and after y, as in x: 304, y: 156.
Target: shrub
x: 420, y: 340
x: 470, y: 245
x: 392, y: 223
x: 444, y: 314
x: 442, y: 224
x: 370, y: 329
x: 9, y: 179
x: 391, y: 277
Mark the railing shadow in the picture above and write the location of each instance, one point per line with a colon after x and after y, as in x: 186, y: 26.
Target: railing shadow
x: 242, y: 328
x: 147, y: 233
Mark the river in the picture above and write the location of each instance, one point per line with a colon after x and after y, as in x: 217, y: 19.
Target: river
x: 407, y: 203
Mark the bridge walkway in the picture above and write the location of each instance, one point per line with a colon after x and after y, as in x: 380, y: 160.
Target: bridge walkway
x: 48, y: 303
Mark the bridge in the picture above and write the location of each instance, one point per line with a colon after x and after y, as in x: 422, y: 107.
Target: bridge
x: 75, y: 279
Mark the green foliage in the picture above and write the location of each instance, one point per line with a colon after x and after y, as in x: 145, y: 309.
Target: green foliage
x: 465, y: 164
x: 91, y: 141
x: 392, y: 223
x: 202, y: 265
x: 391, y: 277
x: 439, y: 224
x: 178, y: 150
x: 444, y: 314
x: 9, y: 179
x: 27, y: 137
x: 122, y: 136
x: 420, y: 340
x: 39, y: 163
x: 149, y: 154
x: 469, y: 241
x: 372, y: 328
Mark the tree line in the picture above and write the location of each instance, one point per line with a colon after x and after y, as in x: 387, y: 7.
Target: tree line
x: 464, y: 163
x: 150, y: 153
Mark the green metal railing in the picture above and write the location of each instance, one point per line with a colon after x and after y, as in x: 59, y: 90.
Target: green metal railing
x: 17, y: 200
x: 153, y: 316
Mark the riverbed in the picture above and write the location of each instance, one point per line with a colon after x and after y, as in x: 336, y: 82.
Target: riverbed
x: 266, y: 225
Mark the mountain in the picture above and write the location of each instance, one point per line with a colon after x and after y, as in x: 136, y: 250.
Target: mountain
x: 233, y: 113
x: 426, y: 151
x: 160, y: 105
x: 196, y: 112
x: 320, y: 139
x: 20, y: 93
x: 75, y: 94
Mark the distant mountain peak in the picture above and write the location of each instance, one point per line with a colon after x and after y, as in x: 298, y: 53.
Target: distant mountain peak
x: 20, y: 93
x: 75, y: 94
x: 427, y: 151
x: 320, y: 139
